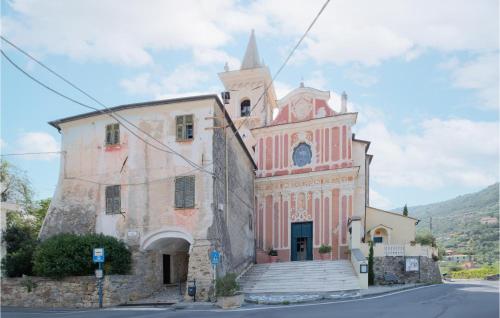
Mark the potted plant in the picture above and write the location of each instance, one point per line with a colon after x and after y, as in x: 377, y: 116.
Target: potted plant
x: 273, y: 254
x: 227, y: 292
x: 324, y: 251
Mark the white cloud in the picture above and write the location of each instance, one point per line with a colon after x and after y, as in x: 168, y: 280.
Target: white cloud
x: 117, y: 32
x: 439, y: 153
x: 37, y: 142
x: 480, y: 74
x: 360, y: 77
x: 367, y: 32
x: 379, y: 201
x: 182, y: 79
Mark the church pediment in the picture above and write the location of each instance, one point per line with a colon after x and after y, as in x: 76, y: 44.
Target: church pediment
x: 303, y: 104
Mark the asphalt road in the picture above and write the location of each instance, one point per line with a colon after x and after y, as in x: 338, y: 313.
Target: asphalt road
x: 455, y: 300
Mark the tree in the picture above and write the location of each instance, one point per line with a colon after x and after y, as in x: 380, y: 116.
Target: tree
x: 425, y: 239
x: 405, y: 211
x: 20, y: 242
x: 371, y: 272
x: 15, y: 185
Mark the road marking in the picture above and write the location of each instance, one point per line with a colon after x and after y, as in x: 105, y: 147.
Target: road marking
x: 316, y: 304
x: 130, y: 308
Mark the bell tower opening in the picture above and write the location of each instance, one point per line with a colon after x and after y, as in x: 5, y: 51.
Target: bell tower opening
x: 245, y: 108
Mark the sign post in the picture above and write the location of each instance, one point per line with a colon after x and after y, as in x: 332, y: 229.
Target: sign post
x: 214, y: 259
x: 98, y: 257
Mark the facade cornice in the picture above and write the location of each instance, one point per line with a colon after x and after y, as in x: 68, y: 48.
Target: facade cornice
x: 338, y: 118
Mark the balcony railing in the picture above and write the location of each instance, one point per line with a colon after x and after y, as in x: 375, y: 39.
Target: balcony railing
x: 382, y: 249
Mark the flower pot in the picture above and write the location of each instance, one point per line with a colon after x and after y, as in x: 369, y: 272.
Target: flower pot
x: 274, y: 258
x: 228, y: 302
x: 324, y: 256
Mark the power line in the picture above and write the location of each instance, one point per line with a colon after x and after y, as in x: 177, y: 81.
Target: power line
x: 96, y: 100
x: 108, y: 112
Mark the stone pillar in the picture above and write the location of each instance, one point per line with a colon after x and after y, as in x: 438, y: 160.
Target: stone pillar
x: 200, y: 268
x: 355, y: 229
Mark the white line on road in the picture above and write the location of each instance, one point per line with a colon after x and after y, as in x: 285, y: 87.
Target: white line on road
x: 315, y: 304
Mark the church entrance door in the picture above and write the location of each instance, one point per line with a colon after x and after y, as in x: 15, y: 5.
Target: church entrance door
x: 302, y: 241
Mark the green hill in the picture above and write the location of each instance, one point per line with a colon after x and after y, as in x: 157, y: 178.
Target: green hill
x: 456, y: 223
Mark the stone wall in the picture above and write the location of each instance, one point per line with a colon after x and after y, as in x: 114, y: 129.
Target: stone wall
x: 232, y: 228
x: 75, y: 292
x: 429, y: 270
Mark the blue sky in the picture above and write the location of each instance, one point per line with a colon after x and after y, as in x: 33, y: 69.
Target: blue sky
x: 422, y: 75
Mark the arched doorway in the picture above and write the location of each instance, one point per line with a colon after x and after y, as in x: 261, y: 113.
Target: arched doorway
x: 171, y: 247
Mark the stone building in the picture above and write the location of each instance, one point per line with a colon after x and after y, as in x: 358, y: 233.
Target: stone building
x: 171, y: 198
x: 244, y: 176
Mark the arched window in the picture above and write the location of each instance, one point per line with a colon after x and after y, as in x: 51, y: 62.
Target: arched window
x: 245, y: 108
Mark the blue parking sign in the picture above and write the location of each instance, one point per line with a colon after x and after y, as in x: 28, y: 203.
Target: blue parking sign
x: 98, y: 255
x: 215, y: 257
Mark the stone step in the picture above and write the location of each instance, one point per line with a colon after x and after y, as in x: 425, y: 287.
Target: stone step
x: 300, y: 277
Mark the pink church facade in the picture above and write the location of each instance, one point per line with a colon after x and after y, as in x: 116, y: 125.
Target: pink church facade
x: 312, y: 174
x: 307, y: 173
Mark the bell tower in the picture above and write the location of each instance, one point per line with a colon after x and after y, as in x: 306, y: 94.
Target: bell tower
x: 251, y: 104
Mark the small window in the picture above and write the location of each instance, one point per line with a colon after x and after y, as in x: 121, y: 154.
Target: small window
x: 113, y: 199
x: 378, y: 239
x: 184, y: 127
x: 184, y: 192
x: 245, y: 108
x: 113, y: 134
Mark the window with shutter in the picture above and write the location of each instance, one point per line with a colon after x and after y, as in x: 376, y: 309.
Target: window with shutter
x: 113, y: 199
x: 113, y: 134
x: 184, y: 127
x: 185, y: 192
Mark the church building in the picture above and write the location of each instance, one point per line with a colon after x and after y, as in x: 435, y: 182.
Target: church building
x: 255, y: 178
x: 312, y: 173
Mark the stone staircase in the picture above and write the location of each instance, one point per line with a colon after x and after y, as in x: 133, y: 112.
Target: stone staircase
x: 307, y: 277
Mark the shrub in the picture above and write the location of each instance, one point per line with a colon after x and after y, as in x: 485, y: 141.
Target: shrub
x: 227, y: 285
x: 371, y: 272
x: 323, y: 249
x: 272, y: 252
x: 426, y: 239
x: 480, y: 273
x: 71, y: 255
x: 20, y: 242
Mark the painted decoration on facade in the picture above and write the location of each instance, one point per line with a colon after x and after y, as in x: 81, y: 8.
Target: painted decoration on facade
x: 302, y: 155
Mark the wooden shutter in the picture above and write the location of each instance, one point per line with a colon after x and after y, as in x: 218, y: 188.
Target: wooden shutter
x: 109, y: 200
x: 180, y: 127
x: 116, y: 133
x: 179, y: 192
x: 108, y: 134
x: 117, y: 199
x: 189, y: 192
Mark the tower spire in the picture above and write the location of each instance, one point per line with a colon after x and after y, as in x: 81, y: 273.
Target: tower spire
x: 251, y: 59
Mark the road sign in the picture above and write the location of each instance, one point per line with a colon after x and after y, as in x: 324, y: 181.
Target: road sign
x: 215, y: 257
x: 99, y: 273
x: 98, y: 255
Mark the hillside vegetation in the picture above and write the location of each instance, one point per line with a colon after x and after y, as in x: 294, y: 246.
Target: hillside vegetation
x: 456, y: 223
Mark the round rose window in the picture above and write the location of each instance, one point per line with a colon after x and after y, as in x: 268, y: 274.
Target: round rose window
x: 302, y: 154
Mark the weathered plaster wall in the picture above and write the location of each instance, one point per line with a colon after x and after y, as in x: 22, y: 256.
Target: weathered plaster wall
x: 74, y: 292
x: 232, y: 228
x: 429, y: 270
x: 147, y: 178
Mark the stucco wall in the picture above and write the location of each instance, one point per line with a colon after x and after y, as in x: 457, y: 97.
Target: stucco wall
x: 403, y: 229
